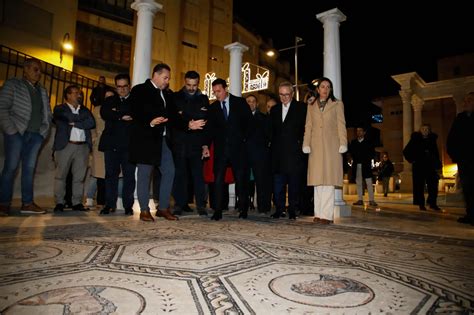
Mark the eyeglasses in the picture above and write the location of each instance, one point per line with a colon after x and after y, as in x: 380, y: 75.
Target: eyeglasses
x: 285, y: 95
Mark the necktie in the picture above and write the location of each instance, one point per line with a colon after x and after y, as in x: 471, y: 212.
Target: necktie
x: 163, y: 97
x: 224, y: 109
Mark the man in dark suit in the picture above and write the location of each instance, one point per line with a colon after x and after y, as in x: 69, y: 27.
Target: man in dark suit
x: 259, y: 154
x: 229, y: 118
x: 287, y: 131
x: 114, y: 142
x: 72, y: 145
x: 188, y: 138
x: 148, y: 143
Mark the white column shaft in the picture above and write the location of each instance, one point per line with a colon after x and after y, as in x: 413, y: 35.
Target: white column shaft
x: 235, y: 68
x: 146, y: 10
x: 332, y: 52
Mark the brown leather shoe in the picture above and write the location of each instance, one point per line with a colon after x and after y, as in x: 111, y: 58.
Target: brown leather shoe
x: 146, y: 216
x: 32, y: 208
x: 4, y: 210
x: 316, y: 219
x: 166, y: 214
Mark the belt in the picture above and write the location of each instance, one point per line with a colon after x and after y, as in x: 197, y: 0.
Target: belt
x: 77, y: 142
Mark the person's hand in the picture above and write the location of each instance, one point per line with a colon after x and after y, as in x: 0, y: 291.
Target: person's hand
x: 343, y: 149
x: 126, y: 117
x: 197, y: 124
x: 307, y: 149
x: 205, y: 152
x: 158, y: 120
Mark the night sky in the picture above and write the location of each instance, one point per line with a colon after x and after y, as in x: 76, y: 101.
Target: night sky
x: 377, y: 40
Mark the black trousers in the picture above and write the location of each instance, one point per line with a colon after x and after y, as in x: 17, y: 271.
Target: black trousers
x: 466, y: 175
x: 425, y: 175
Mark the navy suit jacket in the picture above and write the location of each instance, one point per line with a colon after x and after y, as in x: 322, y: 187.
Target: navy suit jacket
x: 232, y: 132
x: 62, y: 116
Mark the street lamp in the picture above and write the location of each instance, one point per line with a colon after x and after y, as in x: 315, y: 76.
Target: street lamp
x: 271, y: 53
x: 66, y: 45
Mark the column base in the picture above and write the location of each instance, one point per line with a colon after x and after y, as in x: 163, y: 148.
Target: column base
x: 342, y: 211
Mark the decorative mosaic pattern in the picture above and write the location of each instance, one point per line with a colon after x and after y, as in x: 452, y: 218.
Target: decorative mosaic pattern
x: 195, y: 266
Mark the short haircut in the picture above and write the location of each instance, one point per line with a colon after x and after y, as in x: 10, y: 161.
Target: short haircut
x: 219, y: 81
x: 251, y: 95
x: 287, y: 84
x: 122, y: 76
x: 30, y: 61
x: 160, y: 66
x: 191, y: 74
x: 68, y: 90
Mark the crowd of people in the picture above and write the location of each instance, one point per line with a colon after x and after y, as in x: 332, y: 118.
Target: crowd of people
x: 175, y: 139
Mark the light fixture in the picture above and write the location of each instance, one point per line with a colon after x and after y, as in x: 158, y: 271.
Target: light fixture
x: 271, y: 53
x: 66, y: 45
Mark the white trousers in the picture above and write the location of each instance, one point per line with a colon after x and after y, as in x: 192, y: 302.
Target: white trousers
x: 324, y: 202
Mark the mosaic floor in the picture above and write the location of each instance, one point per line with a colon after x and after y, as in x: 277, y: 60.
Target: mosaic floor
x: 257, y: 266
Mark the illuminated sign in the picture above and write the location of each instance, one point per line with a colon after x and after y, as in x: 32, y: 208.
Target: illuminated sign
x: 259, y: 82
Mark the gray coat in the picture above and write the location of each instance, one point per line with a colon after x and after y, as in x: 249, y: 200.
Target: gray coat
x: 15, y: 108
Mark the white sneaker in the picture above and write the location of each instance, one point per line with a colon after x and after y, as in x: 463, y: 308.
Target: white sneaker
x: 89, y: 202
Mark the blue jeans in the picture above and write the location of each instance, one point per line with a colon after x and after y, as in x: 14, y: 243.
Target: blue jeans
x: 24, y: 148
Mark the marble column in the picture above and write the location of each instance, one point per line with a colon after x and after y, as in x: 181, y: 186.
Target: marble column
x: 406, y: 174
x: 236, y: 51
x: 146, y: 10
x: 417, y: 104
x: 332, y: 54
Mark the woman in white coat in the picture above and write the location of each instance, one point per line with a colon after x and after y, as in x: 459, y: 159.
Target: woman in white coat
x: 325, y: 139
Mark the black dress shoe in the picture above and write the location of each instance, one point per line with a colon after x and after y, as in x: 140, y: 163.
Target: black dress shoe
x: 292, y: 216
x: 59, y: 208
x: 276, y: 215
x: 217, y: 215
x: 79, y: 207
x: 186, y: 208
x: 128, y: 211
x: 466, y: 220
x: 423, y: 208
x: 243, y: 215
x: 105, y: 210
x: 202, y: 211
x: 435, y: 207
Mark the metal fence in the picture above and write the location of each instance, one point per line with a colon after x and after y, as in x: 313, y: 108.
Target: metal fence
x: 55, y: 79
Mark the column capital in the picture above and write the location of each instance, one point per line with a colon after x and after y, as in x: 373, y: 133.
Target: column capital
x: 333, y: 15
x: 405, y: 94
x: 417, y: 102
x: 236, y: 46
x: 146, y: 5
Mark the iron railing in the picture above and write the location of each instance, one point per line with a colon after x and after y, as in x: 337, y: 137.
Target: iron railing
x: 55, y: 79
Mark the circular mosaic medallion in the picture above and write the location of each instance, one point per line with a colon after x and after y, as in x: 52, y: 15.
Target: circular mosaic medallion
x: 184, y: 251
x: 27, y: 254
x: 80, y: 300
x: 323, y: 290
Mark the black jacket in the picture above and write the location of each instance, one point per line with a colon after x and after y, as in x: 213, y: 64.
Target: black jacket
x: 287, y: 137
x: 116, y: 134
x: 362, y: 153
x: 146, y: 141
x: 188, y: 107
x: 423, y: 152
x: 460, y: 143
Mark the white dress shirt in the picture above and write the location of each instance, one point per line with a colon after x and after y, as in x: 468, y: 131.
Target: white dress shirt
x: 76, y: 133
